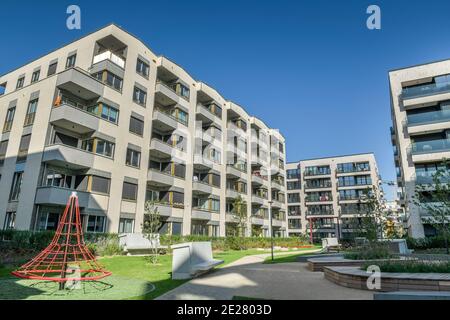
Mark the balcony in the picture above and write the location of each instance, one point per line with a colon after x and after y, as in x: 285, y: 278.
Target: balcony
x: 165, y: 120
x: 324, y: 185
x: 319, y: 213
x: 426, y: 89
x: 313, y: 199
x: 59, y: 196
x: 78, y: 81
x: 166, y: 209
x: 258, y: 179
x: 314, y: 174
x: 74, y: 158
x: 431, y: 146
x: 234, y: 193
x: 170, y: 94
x: 172, y: 175
x: 206, y: 114
x: 237, y: 170
x: 74, y: 119
x: 164, y: 149
x: 258, y: 200
x: 108, y: 55
x: 427, y: 179
x: 204, y: 188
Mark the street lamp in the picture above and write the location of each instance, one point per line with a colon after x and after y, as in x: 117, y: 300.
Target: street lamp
x: 271, y: 228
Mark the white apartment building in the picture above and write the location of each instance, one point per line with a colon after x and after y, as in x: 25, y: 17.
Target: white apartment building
x: 325, y: 194
x: 420, y: 110
x: 106, y: 117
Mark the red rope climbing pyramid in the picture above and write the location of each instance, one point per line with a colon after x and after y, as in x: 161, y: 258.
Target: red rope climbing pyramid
x: 65, y: 254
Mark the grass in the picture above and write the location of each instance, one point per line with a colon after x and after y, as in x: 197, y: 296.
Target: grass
x: 286, y: 258
x: 412, y: 266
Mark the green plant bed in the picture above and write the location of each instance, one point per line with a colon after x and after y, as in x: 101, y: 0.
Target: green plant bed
x: 373, y: 251
x: 410, y: 266
x: 287, y: 258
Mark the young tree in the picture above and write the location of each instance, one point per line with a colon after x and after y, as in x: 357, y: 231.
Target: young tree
x: 434, y: 198
x: 150, y: 227
x: 369, y: 223
x: 240, y: 212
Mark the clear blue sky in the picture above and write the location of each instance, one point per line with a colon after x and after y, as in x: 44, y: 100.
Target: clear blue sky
x: 310, y: 68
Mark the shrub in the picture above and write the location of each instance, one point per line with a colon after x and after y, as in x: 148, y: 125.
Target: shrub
x: 425, y: 243
x: 371, y: 251
x: 412, y: 266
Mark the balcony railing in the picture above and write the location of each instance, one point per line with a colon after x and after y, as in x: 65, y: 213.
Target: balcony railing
x: 318, y: 186
x: 173, y: 169
x: 439, y: 145
x: 428, y: 179
x: 320, y: 213
x: 176, y: 87
x: 239, y: 166
x: 169, y: 114
x: 108, y: 55
x: 318, y: 198
x: 428, y: 117
x: 426, y: 90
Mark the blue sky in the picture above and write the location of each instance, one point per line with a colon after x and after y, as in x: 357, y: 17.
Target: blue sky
x: 310, y: 68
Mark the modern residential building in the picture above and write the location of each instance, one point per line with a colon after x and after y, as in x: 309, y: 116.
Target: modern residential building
x: 324, y: 195
x: 420, y: 110
x: 106, y: 117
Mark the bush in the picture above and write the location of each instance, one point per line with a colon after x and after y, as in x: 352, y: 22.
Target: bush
x: 425, y: 243
x: 412, y: 266
x: 371, y: 251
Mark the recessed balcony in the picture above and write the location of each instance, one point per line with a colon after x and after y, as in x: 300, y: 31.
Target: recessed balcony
x: 74, y: 158
x: 60, y: 196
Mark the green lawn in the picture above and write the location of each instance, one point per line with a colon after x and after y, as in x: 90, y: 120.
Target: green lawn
x: 159, y: 275
x: 285, y: 258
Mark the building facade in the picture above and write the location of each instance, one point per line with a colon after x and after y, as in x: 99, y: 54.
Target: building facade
x: 420, y: 132
x: 106, y: 117
x: 324, y: 195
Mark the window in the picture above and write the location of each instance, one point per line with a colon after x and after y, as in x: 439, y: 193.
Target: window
x: 136, y: 126
x: 9, y: 119
x: 3, y: 147
x: 99, y: 146
x: 110, y: 79
x: 70, y: 62
x: 20, y: 82
x: 52, y: 69
x: 126, y: 225
x: 2, y: 88
x: 294, y: 211
x: 105, y: 112
x: 56, y: 179
x: 142, y: 68
x: 129, y: 191
x: 10, y: 221
x: 35, y: 76
x: 293, y: 185
x: 31, y: 112
x: 293, y: 197
x: 133, y: 158
x: 48, y: 221
x: 96, y: 224
x: 61, y: 138
x: 293, y: 173
x: 199, y: 228
x: 139, y: 96
x: 100, y: 184
x: 23, y: 147
x: 15, y: 187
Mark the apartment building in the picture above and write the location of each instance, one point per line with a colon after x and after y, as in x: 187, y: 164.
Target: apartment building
x: 420, y: 133
x: 325, y: 195
x: 106, y: 117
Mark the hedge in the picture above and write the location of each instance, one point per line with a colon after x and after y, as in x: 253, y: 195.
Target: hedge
x: 425, y: 243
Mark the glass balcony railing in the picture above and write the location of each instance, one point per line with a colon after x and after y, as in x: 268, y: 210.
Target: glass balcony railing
x: 428, y: 117
x: 439, y: 145
x: 426, y: 89
x: 427, y: 178
x: 108, y: 55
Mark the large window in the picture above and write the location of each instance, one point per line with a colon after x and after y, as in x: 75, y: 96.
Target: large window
x: 142, y: 68
x: 9, y: 119
x: 23, y: 147
x: 105, y: 112
x: 293, y: 197
x: 57, y: 179
x: 10, y: 221
x: 31, y: 112
x: 109, y: 79
x: 129, y: 191
x: 199, y: 228
x: 96, y: 224
x: 136, y: 126
x: 48, y: 221
x: 100, y: 184
x: 16, y: 186
x: 126, y: 225
x: 293, y: 185
x: 133, y: 158
x: 294, y: 211
x: 99, y: 146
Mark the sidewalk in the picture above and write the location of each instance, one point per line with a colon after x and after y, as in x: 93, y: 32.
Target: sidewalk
x: 249, y: 277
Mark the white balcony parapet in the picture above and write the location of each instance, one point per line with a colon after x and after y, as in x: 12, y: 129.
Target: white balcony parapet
x: 108, y: 55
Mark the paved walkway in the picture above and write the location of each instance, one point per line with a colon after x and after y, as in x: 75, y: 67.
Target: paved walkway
x: 249, y: 277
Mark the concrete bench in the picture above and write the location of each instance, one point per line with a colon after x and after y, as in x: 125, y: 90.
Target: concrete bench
x: 412, y: 295
x: 191, y: 259
x: 330, y: 244
x: 138, y: 244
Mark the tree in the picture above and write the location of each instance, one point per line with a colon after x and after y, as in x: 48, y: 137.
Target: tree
x: 434, y: 198
x: 240, y: 212
x: 150, y: 228
x: 369, y: 223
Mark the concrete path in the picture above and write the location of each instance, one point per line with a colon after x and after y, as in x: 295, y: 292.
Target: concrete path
x: 249, y: 277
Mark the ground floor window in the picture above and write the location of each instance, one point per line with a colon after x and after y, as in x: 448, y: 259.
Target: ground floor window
x: 215, y: 231
x: 126, y: 225
x: 10, y: 221
x: 48, y: 221
x: 96, y: 224
x: 199, y: 228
